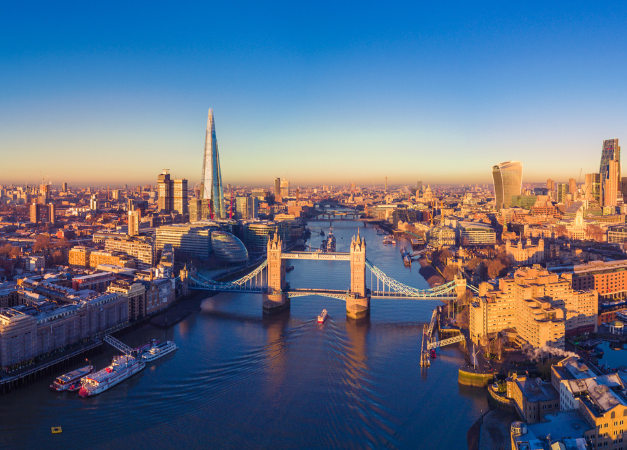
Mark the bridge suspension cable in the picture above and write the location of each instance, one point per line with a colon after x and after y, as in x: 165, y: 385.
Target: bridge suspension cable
x: 400, y: 288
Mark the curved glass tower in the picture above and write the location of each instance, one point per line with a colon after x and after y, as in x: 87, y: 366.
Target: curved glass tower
x: 212, y: 194
x: 507, y: 182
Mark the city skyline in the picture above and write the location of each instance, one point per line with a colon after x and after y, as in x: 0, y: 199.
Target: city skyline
x: 401, y: 91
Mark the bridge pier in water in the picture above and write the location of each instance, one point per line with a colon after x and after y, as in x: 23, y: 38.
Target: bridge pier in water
x: 358, y: 299
x: 275, y: 300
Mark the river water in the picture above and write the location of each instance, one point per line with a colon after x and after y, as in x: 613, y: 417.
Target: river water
x: 242, y: 380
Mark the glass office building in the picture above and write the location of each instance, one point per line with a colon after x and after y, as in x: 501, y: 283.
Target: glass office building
x: 211, y: 191
x: 507, y: 178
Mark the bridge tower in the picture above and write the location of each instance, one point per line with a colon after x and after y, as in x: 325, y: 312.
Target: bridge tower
x: 460, y: 285
x: 358, y: 300
x: 275, y: 300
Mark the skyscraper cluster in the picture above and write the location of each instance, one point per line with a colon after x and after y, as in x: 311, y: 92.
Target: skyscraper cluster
x: 172, y: 194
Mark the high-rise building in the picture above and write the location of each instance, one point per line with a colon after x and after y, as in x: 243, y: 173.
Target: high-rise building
x: 115, y: 194
x: 52, y: 215
x: 172, y: 194
x: 246, y: 208
x: 386, y: 184
x: 93, y: 202
x: 133, y: 223
x: 562, y: 190
x: 572, y: 187
x: 285, y: 188
x: 610, y: 152
x: 277, y: 189
x: 550, y: 185
x: 610, y: 184
x: 507, y: 178
x: 38, y: 212
x: 211, y: 190
x: 64, y: 187
x: 592, y: 188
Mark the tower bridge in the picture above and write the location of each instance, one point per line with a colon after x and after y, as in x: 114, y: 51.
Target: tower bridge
x: 268, y: 279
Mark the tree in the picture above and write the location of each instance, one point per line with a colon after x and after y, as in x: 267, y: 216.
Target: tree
x: 57, y: 257
x: 463, y: 318
x: 595, y: 232
x: 6, y: 250
x: 42, y: 242
x: 450, y: 272
x: 498, y: 348
x: 445, y: 255
x: 561, y: 230
x: 473, y: 263
x: 495, y: 267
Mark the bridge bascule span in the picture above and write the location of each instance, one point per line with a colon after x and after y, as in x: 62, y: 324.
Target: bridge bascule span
x: 268, y: 279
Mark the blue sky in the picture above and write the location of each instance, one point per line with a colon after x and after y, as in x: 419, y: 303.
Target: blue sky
x: 315, y: 92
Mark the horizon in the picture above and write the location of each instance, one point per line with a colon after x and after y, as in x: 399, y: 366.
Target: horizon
x: 327, y: 94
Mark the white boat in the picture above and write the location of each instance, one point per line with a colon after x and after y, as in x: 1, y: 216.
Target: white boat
x: 158, y: 351
x: 323, y: 316
x: 69, y: 380
x: 120, y: 369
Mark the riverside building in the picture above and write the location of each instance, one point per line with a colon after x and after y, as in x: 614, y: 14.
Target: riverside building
x: 188, y: 240
x: 541, y: 306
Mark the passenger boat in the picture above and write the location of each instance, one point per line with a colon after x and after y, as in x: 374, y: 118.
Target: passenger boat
x: 67, y: 381
x: 388, y: 240
x: 433, y: 355
x: 407, y: 261
x: 323, y: 316
x: 158, y: 351
x: 120, y: 369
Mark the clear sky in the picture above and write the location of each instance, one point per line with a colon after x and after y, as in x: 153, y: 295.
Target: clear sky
x: 318, y: 92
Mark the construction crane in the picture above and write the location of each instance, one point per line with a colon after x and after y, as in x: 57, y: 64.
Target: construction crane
x: 119, y: 345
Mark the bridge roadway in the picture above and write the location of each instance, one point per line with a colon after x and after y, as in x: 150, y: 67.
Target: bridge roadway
x: 333, y: 256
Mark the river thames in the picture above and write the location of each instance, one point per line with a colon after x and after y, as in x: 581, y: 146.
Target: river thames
x: 242, y: 380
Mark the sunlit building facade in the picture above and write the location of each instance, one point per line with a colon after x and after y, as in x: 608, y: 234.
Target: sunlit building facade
x: 609, y: 182
x: 507, y: 178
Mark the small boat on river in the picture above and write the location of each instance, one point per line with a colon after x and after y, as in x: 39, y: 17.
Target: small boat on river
x: 323, y: 316
x: 70, y: 380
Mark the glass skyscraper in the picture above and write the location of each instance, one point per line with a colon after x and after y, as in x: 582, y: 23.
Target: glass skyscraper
x: 211, y: 190
x: 507, y: 178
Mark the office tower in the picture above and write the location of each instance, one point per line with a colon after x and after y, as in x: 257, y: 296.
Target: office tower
x: 179, y: 202
x: 172, y: 194
x: 550, y: 185
x: 64, y: 187
x: 164, y: 192
x: 610, y: 184
x: 610, y: 152
x: 52, y: 216
x: 592, y: 188
x: 277, y: 189
x: 562, y: 190
x: 115, y: 194
x: 352, y: 187
x: 44, y: 194
x: 572, y: 187
x: 93, y: 203
x: 419, y: 186
x: 285, y: 188
x: 297, y: 194
x: 133, y: 223
x: 211, y: 190
x: 38, y: 212
x: 246, y: 208
x: 507, y: 178
x: 386, y: 184
x: 195, y: 210
x: 623, y: 187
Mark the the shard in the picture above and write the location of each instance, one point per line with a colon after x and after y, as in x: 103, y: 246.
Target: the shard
x: 212, y: 194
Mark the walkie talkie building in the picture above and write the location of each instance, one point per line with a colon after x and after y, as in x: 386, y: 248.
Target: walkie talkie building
x: 507, y: 182
x: 211, y: 192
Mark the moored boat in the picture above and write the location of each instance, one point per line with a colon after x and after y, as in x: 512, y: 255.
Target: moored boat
x: 158, y: 351
x: 433, y: 355
x: 323, y: 316
x: 67, y: 381
x: 120, y: 369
